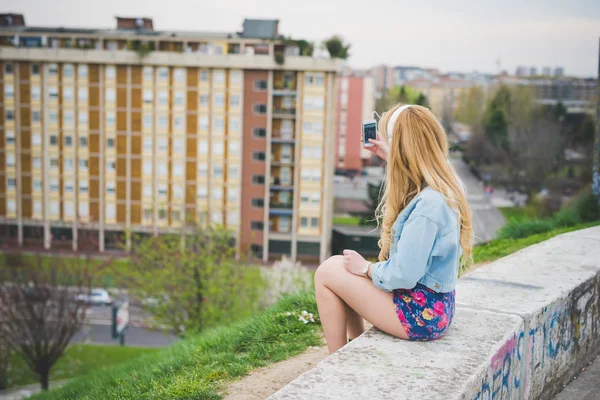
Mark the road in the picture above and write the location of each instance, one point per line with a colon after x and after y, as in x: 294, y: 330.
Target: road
x: 140, y: 337
x: 585, y: 387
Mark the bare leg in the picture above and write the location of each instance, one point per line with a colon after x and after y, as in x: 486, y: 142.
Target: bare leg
x: 355, y: 324
x: 338, y: 289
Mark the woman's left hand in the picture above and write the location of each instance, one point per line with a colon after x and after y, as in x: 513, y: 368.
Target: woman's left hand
x: 354, y: 262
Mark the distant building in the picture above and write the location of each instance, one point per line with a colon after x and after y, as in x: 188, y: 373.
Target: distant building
x: 442, y: 93
x: 546, y: 71
x: 356, y: 102
x: 532, y: 71
x: 383, y: 77
x: 559, y: 72
x: 521, y: 71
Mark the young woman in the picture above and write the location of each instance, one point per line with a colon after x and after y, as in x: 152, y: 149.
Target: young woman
x: 426, y: 234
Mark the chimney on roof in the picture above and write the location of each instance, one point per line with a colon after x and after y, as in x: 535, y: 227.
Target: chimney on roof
x: 11, y: 19
x: 134, y: 23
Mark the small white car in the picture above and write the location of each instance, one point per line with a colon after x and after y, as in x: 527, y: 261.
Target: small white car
x: 96, y: 297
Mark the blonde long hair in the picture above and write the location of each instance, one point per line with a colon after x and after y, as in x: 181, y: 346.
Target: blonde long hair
x: 419, y: 157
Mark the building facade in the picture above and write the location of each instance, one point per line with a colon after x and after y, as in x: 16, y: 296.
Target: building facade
x: 105, y: 132
x: 356, y: 102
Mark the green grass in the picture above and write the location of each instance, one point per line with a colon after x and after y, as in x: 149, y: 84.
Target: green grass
x: 499, y: 248
x: 518, y: 213
x: 79, y: 359
x: 199, y: 367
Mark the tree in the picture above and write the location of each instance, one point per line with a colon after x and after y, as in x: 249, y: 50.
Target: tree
x: 192, y: 282
x: 337, y: 48
x: 38, y: 313
x: 398, y: 94
x: 5, y: 354
x: 471, y: 105
x: 422, y: 100
x: 496, y: 128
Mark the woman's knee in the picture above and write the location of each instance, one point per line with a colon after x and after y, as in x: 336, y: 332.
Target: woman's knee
x: 327, y: 267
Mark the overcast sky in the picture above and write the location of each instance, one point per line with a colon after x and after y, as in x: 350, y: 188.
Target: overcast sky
x: 459, y: 35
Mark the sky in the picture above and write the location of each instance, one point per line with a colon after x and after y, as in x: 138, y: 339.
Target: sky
x: 459, y: 35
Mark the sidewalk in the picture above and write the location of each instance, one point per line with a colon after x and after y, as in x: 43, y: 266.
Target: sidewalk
x: 584, y: 387
x: 25, y: 391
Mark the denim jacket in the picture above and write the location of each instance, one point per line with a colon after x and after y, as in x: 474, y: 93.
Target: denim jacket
x: 425, y: 247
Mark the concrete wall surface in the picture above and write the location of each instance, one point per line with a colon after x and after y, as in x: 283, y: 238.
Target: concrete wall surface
x: 524, y: 325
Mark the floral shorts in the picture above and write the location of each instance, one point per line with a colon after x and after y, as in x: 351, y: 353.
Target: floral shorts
x: 424, y: 313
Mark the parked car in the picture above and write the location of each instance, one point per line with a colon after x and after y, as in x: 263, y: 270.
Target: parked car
x: 96, y: 297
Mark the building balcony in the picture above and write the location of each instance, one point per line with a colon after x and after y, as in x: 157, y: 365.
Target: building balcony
x: 282, y: 136
x: 281, y: 185
x: 284, y: 88
x: 284, y: 113
x: 282, y: 161
x: 277, y: 208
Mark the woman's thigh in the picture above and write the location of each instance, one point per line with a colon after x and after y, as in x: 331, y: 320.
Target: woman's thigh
x: 371, y: 303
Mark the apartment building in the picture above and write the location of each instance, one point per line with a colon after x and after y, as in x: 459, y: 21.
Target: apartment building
x: 356, y: 102
x: 105, y: 132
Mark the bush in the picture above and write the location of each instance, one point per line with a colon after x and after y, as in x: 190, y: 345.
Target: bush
x: 583, y: 208
x: 522, y: 228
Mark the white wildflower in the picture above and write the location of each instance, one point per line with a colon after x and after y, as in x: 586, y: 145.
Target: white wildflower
x: 304, y: 312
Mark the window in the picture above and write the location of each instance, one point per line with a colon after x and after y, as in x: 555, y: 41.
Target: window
x: 260, y: 85
x: 36, y: 139
x: 315, y: 198
x: 219, y: 100
x: 259, y: 203
x: 258, y: 179
x: 9, y: 91
x: 147, y: 121
x: 147, y: 144
x: 233, y: 218
x: 179, y: 75
x: 232, y: 194
x: 67, y: 118
x: 11, y: 206
x: 163, y: 121
x: 54, y: 162
x: 83, y: 117
x: 218, y: 171
x: 235, y: 77
x: 10, y: 160
x: 67, y: 93
x: 203, y: 75
x: 217, y: 217
x: 110, y: 72
x: 178, y: 123
x: 203, y: 146
x: 318, y: 127
x: 36, y: 93
x: 258, y: 156
x: 37, y: 207
x: 35, y: 116
x: 68, y: 208
x: 68, y: 141
x: 84, y: 209
x: 109, y: 211
x: 83, y: 164
x: 314, y: 222
x: 178, y: 98
x: 8, y: 69
x: 234, y: 124
x: 178, y: 145
x: 218, y: 147
x: 68, y: 188
x: 202, y: 193
x: 218, y: 76
x: 110, y: 166
x: 163, y: 169
x: 83, y: 141
x: 110, y: 95
x: 83, y: 187
x: 318, y: 104
x: 12, y: 183
x: 304, y: 198
x: 257, y: 226
x: 203, y: 99
x: 260, y: 108
x: 35, y: 69
x: 304, y: 222
x: 259, y: 132
x: 256, y: 250
x: 147, y: 167
x: 36, y: 162
x: 53, y: 92
x: 68, y: 164
x: 10, y: 137
x: 53, y: 140
x: 309, y: 79
x: 284, y: 224
x: 54, y: 185
x: 53, y: 116
x: 163, y: 74
x: 218, y: 124
x: 147, y: 191
x: 148, y: 95
x: 202, y: 170
x: 163, y: 144
x: 234, y: 148
x: 217, y: 193
x: 316, y: 175
x: 148, y: 73
x: 203, y: 123
x: 233, y: 172
x: 319, y: 80
x: 110, y: 188
x: 54, y: 208
x: 234, y: 100
x: 305, y: 174
x: 176, y: 216
x: 67, y: 71
x: 110, y: 119
x: 178, y: 169
x: 37, y: 185
x: 148, y: 213
x: 177, y: 191
x: 110, y: 143
x: 82, y: 71
x: 10, y: 115
x: 52, y: 70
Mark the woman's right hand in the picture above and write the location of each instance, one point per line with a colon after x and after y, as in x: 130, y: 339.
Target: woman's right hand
x: 380, y: 148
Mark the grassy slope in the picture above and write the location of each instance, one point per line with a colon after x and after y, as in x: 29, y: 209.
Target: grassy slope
x: 199, y: 366
x: 78, y: 360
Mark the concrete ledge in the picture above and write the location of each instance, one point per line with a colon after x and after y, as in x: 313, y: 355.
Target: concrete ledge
x: 524, y: 326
